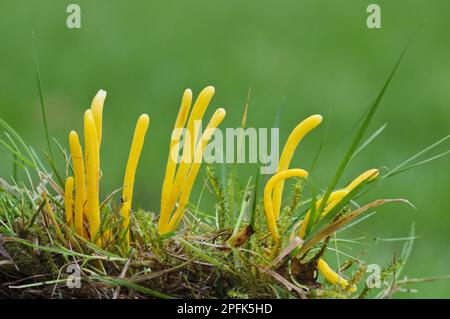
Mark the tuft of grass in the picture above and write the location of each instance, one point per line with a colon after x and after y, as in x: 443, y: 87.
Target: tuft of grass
x: 359, y: 135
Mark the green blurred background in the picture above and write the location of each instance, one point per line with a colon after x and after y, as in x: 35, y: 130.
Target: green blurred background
x: 303, y: 56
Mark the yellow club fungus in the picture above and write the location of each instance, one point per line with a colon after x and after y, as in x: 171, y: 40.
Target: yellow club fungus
x: 68, y: 200
x: 334, y: 198
x: 80, y: 181
x: 333, y: 277
x: 97, y: 113
x: 216, y: 119
x: 171, y: 164
x: 274, y: 191
x: 86, y: 171
x: 268, y: 206
x: 328, y: 273
x: 198, y: 110
x: 125, y: 213
x: 368, y: 175
x: 92, y: 208
x: 178, y: 182
x: 337, y: 196
x: 292, y: 142
x: 130, y: 172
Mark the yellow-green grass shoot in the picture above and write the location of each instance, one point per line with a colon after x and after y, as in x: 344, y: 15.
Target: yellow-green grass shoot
x: 68, y: 200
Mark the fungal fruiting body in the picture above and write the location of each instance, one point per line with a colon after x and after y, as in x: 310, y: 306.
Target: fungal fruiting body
x: 86, y: 170
x: 268, y: 202
x: 97, y: 113
x: 125, y: 213
x: 368, y: 176
x: 130, y: 171
x: 292, y: 142
x: 216, y: 119
x: 333, y: 200
x: 197, y: 112
x: 332, y: 276
x: 171, y: 163
x: 336, y: 196
x: 179, y: 179
x: 92, y: 159
x: 80, y: 182
x: 273, y: 193
x: 177, y: 186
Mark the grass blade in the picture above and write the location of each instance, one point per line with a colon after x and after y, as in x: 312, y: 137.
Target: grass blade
x: 369, y: 140
x: 396, y: 170
x: 199, y: 253
x: 255, y: 200
x: 41, y: 97
x: 244, y: 204
x: 359, y: 135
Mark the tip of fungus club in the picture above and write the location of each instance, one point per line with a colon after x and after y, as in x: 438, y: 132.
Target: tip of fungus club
x: 101, y: 93
x: 317, y: 117
x: 210, y: 89
x: 144, y: 118
x: 373, y: 173
x: 221, y: 111
x: 88, y: 113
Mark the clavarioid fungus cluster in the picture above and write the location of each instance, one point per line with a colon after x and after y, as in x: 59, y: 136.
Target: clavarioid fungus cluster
x: 82, y: 202
x: 178, y: 181
x: 274, y: 190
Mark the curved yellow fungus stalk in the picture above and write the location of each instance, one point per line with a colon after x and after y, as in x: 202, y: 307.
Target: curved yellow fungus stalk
x: 130, y: 172
x: 92, y: 168
x: 125, y: 213
x: 337, y: 196
x: 68, y: 200
x: 198, y: 110
x: 292, y: 142
x: 268, y: 207
x: 216, y: 119
x: 80, y: 182
x: 97, y: 113
x: 333, y: 199
x: 368, y: 175
x: 171, y: 164
x: 333, y: 277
